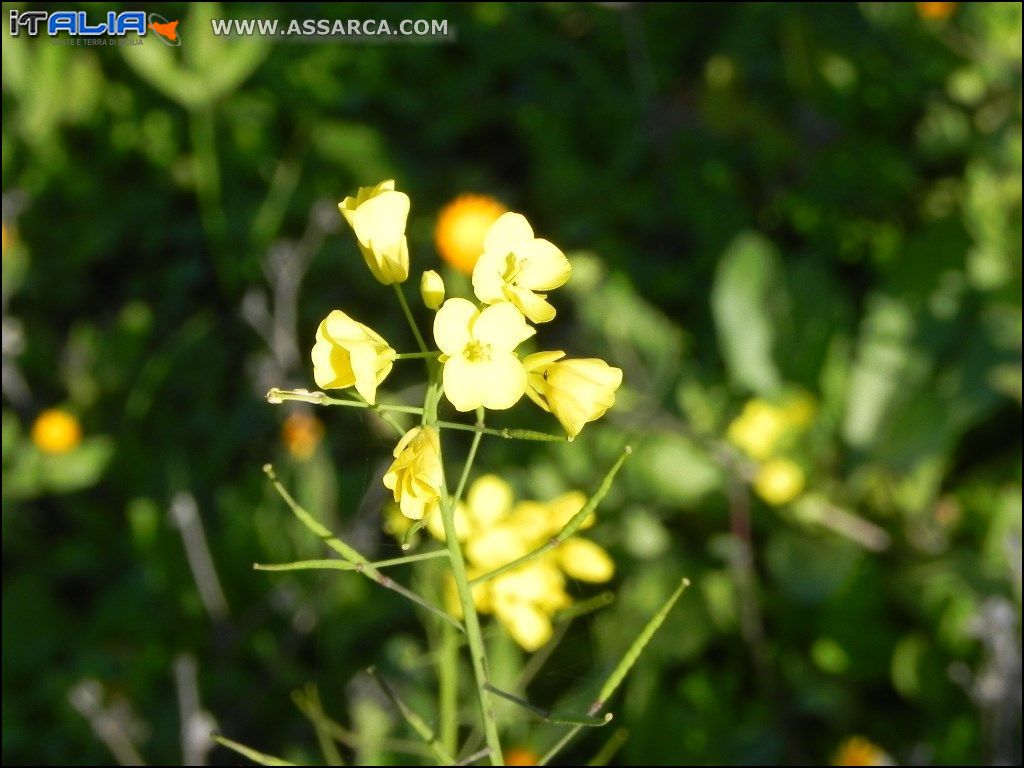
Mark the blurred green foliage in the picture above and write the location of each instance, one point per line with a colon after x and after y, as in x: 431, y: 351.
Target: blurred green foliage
x: 772, y: 197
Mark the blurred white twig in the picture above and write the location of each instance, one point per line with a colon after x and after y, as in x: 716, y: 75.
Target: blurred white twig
x: 184, y: 515
x: 111, y: 725
x: 197, y: 724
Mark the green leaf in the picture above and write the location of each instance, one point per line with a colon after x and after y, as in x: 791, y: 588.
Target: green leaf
x: 741, y: 298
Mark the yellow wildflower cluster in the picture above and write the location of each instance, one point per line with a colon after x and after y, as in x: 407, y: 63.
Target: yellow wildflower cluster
x: 495, y: 530
x: 765, y: 431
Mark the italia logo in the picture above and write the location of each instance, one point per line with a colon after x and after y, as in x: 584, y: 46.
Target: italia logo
x: 78, y: 24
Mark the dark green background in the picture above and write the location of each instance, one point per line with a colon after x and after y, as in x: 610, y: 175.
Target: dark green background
x: 849, y: 176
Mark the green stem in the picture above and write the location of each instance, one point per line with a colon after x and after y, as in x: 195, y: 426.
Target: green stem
x: 416, y: 722
x: 408, y: 316
x: 479, y: 428
x: 471, y: 622
x: 568, y: 529
x: 362, y: 565
x: 346, y: 565
x: 416, y: 355
x: 448, y: 688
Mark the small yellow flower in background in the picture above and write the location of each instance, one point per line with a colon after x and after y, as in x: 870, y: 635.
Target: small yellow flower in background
x: 480, y: 365
x: 779, y: 481
x: 461, y: 228
x: 415, y: 475
x: 515, y: 264
x: 56, y: 432
x: 936, y: 11
x: 858, y: 750
x: 349, y: 353
x: 301, y: 433
x: 575, y: 391
x: 758, y: 429
x: 799, y: 410
x: 432, y: 289
x: 377, y: 215
x: 584, y: 560
x: 495, y: 530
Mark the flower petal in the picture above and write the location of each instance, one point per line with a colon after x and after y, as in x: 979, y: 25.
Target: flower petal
x: 488, y: 283
x: 508, y: 232
x: 538, y: 361
x: 543, y: 266
x: 534, y: 305
x: 489, y: 500
x: 502, y: 326
x: 584, y: 560
x: 503, y: 381
x: 381, y: 219
x: 451, y: 325
x: 465, y: 384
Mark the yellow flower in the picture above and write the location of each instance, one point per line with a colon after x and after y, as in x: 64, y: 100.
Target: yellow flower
x: 525, y: 599
x: 348, y: 353
x: 584, y: 560
x: 575, y: 391
x: 779, y: 481
x: 56, y: 432
x: 857, y: 750
x: 415, y: 475
x: 432, y: 289
x: 515, y: 264
x: 494, y: 530
x: 377, y: 215
x: 301, y: 434
x: 480, y: 366
x: 758, y: 429
x: 461, y: 228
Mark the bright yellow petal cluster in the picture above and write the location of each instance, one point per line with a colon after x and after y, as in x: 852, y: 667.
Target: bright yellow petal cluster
x: 377, y: 216
x: 348, y: 353
x: 763, y: 430
x: 477, y: 346
x: 779, y: 481
x: 494, y: 530
x: 415, y: 476
x: 575, y: 391
x: 515, y: 265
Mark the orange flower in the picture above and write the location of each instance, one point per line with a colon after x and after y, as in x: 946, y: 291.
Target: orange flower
x: 521, y: 756
x: 461, y: 228
x: 857, y: 750
x: 939, y: 11
x: 301, y: 434
x: 56, y: 432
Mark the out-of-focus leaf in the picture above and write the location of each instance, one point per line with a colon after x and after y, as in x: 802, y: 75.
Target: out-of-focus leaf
x: 809, y: 568
x: 746, y: 284
x: 672, y: 470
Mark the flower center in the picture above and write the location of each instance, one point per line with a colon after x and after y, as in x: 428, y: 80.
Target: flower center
x: 513, y: 267
x: 477, y: 352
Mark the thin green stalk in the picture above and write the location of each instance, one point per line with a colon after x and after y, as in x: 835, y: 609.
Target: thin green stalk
x: 277, y: 396
x: 408, y: 316
x: 471, y: 621
x: 346, y: 565
x: 568, y: 529
x: 260, y: 758
x: 613, y: 745
x: 470, y: 457
x: 448, y: 688
x: 416, y: 355
x: 547, y: 716
x: 363, y: 565
x: 620, y: 671
x: 308, y: 702
x: 414, y: 720
x: 208, y: 187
